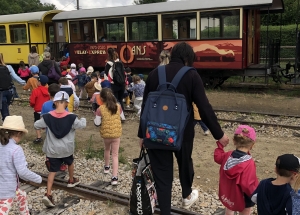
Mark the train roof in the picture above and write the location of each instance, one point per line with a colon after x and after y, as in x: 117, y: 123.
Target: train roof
x: 165, y: 7
x: 26, y: 17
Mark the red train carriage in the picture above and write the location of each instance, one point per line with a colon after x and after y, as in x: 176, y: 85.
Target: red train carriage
x: 225, y: 34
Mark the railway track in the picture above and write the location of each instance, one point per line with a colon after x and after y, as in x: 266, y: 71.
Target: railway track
x: 225, y: 120
x: 94, y: 191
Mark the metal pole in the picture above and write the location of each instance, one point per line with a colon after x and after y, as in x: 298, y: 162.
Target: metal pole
x: 296, y: 79
x: 77, y: 4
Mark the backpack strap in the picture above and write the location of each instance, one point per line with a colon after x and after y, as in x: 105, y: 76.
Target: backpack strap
x: 162, y: 77
x: 179, y: 75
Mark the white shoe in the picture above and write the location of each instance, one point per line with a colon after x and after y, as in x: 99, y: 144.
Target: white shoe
x: 187, y: 203
x: 206, y: 132
x: 114, y: 181
x: 106, y: 169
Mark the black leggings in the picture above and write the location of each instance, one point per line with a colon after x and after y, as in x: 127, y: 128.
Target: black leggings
x: 162, y: 167
x: 118, y: 92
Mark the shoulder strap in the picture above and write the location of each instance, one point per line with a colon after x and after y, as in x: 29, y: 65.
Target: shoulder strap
x: 162, y: 77
x: 179, y: 76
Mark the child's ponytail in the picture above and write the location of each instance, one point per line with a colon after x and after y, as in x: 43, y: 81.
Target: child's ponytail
x: 109, y: 99
x: 5, y: 135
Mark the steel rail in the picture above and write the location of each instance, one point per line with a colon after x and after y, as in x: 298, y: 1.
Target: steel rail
x: 261, y: 123
x: 233, y: 120
x: 259, y: 113
x: 215, y: 109
x: 102, y: 194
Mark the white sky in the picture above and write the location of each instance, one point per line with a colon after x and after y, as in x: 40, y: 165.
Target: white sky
x: 87, y: 4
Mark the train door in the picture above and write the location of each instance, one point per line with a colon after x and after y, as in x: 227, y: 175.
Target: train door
x: 252, y: 31
x: 50, y: 37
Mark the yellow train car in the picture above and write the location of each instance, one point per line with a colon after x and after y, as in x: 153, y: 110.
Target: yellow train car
x: 18, y: 32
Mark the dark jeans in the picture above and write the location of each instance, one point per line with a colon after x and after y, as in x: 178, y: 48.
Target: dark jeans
x: 162, y: 167
x: 201, y: 123
x: 118, y: 92
x: 6, y: 98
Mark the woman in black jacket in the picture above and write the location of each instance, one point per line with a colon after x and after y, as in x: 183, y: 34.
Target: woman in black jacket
x: 192, y: 88
x: 46, y: 65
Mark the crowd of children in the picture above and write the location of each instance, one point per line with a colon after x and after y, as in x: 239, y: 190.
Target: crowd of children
x: 239, y: 188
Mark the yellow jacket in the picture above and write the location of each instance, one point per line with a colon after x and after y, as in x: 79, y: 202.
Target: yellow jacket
x: 110, y: 124
x: 196, y: 112
x: 71, y: 103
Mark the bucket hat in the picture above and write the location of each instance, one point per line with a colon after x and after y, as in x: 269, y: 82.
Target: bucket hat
x: 14, y: 123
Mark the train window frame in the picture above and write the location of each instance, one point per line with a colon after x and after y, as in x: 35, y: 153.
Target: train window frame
x: 178, y: 24
x: 82, y: 31
x: 20, y: 28
x: 3, y: 27
x: 106, y: 36
x: 213, y: 14
x: 140, y: 19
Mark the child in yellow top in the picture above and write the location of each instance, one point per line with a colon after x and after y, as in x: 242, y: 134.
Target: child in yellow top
x: 108, y: 116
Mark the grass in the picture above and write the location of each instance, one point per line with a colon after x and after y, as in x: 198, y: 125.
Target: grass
x: 122, y: 159
x: 37, y: 147
x: 93, y: 153
x: 110, y: 203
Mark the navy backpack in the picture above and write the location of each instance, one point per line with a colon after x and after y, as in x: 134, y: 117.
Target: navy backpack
x: 165, y: 114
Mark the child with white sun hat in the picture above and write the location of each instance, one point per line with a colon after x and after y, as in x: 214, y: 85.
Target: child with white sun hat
x: 13, y: 165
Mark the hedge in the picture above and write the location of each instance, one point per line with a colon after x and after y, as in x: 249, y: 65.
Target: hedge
x: 288, y: 34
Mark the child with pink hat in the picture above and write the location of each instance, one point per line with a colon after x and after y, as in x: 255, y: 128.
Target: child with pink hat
x: 237, y: 172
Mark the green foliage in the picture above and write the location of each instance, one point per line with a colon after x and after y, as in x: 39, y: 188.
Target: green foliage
x: 148, y: 1
x: 288, y: 17
x: 23, y: 6
x: 214, y: 32
x: 288, y: 34
x: 92, y: 153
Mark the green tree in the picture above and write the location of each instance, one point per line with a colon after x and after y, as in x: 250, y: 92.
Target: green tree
x: 23, y: 6
x: 148, y: 1
x: 288, y: 17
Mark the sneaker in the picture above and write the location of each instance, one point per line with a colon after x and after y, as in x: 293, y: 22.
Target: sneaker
x: 114, y: 180
x: 106, y: 169
x: 63, y: 167
x: 73, y: 183
x: 206, y: 132
x: 48, y: 201
x: 187, y: 203
x: 38, y: 140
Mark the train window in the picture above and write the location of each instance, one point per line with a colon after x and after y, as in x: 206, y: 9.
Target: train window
x: 2, y: 34
x: 142, y: 28
x: 220, y: 24
x: 111, y: 30
x: 18, y: 33
x: 82, y: 31
x: 179, y: 26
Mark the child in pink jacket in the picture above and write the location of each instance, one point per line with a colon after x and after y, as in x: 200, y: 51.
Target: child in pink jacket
x: 24, y: 71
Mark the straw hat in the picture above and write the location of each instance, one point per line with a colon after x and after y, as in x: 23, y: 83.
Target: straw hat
x: 14, y: 123
x: 97, y: 86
